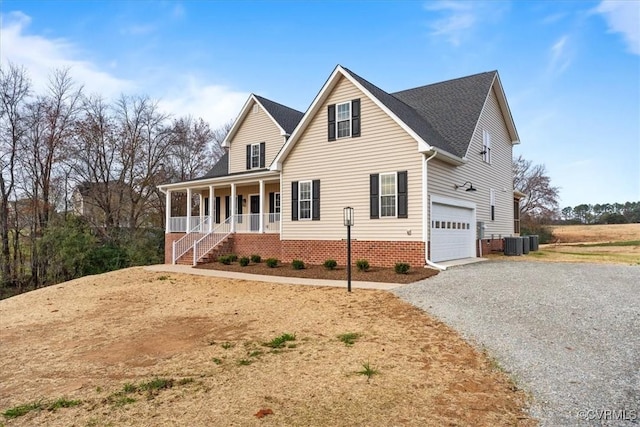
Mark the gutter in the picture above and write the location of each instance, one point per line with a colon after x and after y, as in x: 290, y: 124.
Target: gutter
x: 425, y: 219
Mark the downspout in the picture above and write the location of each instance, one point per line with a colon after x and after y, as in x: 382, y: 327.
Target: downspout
x: 425, y: 217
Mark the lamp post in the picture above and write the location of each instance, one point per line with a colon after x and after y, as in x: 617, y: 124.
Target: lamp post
x: 348, y: 222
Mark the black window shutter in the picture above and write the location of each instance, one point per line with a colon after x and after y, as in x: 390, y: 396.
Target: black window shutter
x: 217, y: 210
x: 355, y: 117
x: 402, y: 195
x: 332, y: 122
x: 206, y: 205
x: 493, y: 213
x: 227, y: 207
x: 248, y: 156
x: 373, y: 195
x: 294, y: 201
x: 315, y: 200
x: 262, y: 154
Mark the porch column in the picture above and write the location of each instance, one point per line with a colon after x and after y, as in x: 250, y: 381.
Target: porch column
x: 261, y: 208
x: 201, y: 210
x: 233, y: 207
x: 188, y: 210
x: 167, y: 214
x: 212, y: 199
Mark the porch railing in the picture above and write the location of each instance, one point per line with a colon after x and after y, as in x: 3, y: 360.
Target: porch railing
x: 178, y: 224
x: 250, y: 223
x: 197, y: 231
x: 210, y: 240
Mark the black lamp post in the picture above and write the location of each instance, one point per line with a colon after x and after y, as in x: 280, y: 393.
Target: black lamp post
x: 348, y: 222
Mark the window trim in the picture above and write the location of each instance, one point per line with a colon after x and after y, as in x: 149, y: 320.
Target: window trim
x: 486, y: 146
x: 300, y: 200
x: 395, y: 194
x: 348, y: 120
x: 255, y: 156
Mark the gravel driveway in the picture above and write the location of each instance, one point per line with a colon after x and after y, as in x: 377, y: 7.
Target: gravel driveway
x: 567, y: 333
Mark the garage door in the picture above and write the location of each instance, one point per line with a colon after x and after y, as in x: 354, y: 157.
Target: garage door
x: 452, y: 232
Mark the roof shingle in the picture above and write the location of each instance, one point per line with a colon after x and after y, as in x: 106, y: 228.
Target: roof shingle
x: 287, y: 118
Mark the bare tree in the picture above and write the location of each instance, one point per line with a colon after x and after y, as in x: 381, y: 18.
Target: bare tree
x: 14, y: 92
x: 541, y: 198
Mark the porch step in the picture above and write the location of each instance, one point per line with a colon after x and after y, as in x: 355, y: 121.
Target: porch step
x: 212, y: 255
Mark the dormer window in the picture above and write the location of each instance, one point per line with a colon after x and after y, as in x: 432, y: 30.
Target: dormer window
x: 344, y: 119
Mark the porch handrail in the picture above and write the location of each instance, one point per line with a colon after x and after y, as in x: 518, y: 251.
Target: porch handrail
x: 210, y: 240
x: 183, y: 244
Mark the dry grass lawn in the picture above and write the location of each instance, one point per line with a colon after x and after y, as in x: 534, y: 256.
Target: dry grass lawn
x: 597, y: 243
x: 102, y: 340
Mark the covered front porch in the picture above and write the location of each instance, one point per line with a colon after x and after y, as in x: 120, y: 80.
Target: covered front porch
x: 201, y: 214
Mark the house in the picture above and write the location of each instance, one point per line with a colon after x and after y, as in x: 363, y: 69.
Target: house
x: 427, y: 171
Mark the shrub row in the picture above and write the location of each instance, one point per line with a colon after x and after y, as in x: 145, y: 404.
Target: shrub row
x: 297, y: 264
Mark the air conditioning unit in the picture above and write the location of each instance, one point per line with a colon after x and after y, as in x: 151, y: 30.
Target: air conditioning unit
x: 525, y: 244
x: 533, y: 242
x: 512, y: 246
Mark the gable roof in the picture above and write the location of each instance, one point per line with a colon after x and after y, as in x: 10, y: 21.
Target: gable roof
x: 441, y: 117
x: 452, y: 107
x: 285, y: 118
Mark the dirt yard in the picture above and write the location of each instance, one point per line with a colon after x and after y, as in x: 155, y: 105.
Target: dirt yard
x: 149, y: 349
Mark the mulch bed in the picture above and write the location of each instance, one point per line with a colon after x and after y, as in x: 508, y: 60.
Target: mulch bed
x: 375, y: 274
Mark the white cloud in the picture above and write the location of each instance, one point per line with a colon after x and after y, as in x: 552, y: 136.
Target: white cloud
x: 458, y: 19
x: 40, y: 56
x: 179, y: 96
x: 623, y: 17
x: 560, y: 55
x: 216, y: 104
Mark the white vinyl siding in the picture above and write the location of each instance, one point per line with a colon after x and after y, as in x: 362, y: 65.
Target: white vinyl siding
x: 345, y: 167
x: 388, y: 194
x: 483, y: 176
x: 256, y: 126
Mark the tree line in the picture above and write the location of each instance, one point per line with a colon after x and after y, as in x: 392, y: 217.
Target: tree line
x: 63, y: 153
x: 605, y: 213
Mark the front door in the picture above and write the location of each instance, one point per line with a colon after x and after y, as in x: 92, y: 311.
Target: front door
x: 254, y: 210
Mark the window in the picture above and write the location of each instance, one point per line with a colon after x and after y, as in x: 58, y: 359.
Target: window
x: 256, y: 155
x: 388, y: 194
x: 305, y: 200
x: 492, y: 202
x: 486, y: 146
x: 277, y: 204
x: 344, y: 119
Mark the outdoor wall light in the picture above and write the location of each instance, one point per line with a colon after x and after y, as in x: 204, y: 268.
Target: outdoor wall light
x: 456, y: 186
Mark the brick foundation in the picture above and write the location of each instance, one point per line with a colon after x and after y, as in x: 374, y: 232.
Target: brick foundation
x: 490, y: 245
x: 378, y: 253
x: 266, y: 245
x: 169, y: 238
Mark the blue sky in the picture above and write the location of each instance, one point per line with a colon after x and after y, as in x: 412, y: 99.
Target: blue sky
x: 570, y: 69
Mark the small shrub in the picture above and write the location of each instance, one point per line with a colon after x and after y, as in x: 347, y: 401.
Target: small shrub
x: 224, y: 259
x: 297, y: 264
x: 402, y: 267
x: 256, y: 259
x: 233, y: 257
x: 363, y: 265
x: 271, y: 262
x: 279, y: 342
x: 244, y: 261
x: 349, y: 338
x: 330, y: 264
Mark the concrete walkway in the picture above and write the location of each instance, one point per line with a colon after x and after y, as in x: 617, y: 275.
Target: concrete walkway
x: 185, y: 269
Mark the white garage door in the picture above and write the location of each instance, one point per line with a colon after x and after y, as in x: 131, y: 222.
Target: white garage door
x: 452, y: 232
